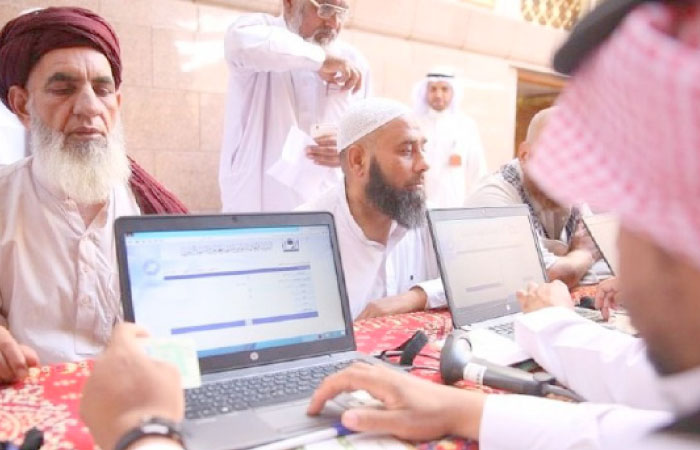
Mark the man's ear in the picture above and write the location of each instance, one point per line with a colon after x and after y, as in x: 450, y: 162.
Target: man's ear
x: 18, y: 99
x: 357, y: 160
x: 524, y: 152
x: 119, y: 98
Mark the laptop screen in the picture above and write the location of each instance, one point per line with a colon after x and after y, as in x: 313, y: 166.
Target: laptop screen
x: 236, y: 290
x: 485, y: 260
x: 604, y: 229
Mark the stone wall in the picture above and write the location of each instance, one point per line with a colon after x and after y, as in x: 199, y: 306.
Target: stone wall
x: 175, y: 77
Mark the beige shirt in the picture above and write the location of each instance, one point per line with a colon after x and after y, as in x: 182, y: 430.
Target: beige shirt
x: 494, y: 190
x: 59, y: 287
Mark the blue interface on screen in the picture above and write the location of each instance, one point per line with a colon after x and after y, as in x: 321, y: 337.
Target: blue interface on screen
x: 234, y: 290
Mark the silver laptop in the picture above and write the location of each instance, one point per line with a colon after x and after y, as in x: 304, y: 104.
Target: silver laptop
x: 604, y: 229
x: 264, y: 299
x: 485, y: 255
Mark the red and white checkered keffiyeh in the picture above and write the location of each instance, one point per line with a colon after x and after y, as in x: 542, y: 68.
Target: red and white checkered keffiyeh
x: 626, y: 137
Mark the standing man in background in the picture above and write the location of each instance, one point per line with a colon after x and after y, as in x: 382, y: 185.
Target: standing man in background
x: 287, y: 71
x: 453, y: 151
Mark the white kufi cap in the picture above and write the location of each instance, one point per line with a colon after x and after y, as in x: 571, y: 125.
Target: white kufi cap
x: 365, y: 116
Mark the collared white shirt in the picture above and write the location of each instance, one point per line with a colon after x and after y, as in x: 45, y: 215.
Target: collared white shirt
x: 373, y: 270
x: 59, y: 286
x: 605, y: 367
x: 451, y: 133
x: 273, y: 85
x: 494, y: 190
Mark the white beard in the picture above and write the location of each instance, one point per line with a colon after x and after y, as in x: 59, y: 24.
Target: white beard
x: 85, y: 171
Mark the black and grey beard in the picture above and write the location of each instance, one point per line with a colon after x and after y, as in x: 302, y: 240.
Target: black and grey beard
x: 405, y: 206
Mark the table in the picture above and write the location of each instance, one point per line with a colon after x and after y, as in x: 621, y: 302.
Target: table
x: 49, y: 398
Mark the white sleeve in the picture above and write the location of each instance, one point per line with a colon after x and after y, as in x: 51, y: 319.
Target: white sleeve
x: 435, y: 292
x: 601, y: 365
x: 254, y: 46
x: 433, y: 287
x: 518, y: 422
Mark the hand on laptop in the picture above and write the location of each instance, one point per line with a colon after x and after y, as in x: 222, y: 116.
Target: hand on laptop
x: 413, y: 409
x: 582, y: 240
x: 127, y: 386
x: 535, y: 297
x: 15, y: 359
x: 413, y: 300
x: 606, y: 297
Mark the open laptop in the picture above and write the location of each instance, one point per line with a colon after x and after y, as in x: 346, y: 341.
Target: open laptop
x: 485, y: 255
x: 262, y: 296
x: 604, y: 228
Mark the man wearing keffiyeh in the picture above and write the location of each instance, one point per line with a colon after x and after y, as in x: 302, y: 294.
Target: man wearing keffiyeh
x: 60, y: 74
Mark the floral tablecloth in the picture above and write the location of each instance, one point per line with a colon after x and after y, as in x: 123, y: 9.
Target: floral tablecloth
x: 49, y: 398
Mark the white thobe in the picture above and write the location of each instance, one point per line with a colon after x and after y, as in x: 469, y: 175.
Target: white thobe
x: 494, y: 190
x: 449, y: 134
x: 373, y: 270
x: 59, y: 286
x: 273, y: 85
x: 604, y: 366
x: 12, y: 137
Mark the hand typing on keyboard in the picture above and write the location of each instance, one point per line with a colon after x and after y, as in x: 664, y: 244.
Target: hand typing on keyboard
x: 535, y: 297
x: 254, y: 391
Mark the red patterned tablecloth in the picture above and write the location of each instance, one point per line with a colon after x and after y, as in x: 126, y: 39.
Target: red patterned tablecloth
x: 49, y: 398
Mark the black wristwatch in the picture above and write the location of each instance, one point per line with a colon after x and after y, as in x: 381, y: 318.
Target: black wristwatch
x: 151, y: 427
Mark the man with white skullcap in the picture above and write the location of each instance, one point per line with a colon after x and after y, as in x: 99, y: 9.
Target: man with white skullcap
x: 454, y: 150
x: 380, y: 211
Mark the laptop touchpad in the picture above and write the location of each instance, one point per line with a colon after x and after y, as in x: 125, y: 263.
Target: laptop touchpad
x: 292, y: 416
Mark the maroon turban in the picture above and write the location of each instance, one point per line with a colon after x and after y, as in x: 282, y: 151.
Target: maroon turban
x: 25, y: 39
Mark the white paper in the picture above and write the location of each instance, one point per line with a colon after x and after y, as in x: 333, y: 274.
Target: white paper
x: 298, y: 171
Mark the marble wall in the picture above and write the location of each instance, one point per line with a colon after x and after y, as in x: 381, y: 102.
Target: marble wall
x: 175, y: 77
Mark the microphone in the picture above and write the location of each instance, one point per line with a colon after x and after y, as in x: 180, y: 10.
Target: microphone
x: 458, y: 363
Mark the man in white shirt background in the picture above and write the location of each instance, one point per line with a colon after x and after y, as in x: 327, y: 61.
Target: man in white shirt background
x: 569, y: 252
x: 379, y: 211
x: 287, y: 71
x: 454, y: 150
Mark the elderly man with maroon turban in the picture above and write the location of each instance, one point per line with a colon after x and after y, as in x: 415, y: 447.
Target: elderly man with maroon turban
x: 60, y: 72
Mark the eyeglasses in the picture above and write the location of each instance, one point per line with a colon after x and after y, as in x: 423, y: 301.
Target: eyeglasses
x: 327, y: 11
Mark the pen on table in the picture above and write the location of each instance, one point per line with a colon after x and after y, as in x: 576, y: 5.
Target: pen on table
x: 335, y: 431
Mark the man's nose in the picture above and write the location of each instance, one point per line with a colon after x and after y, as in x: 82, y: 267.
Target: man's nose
x: 421, y: 165
x: 87, y: 104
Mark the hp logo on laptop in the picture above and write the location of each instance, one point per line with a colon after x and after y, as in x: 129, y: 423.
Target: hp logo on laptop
x: 254, y: 356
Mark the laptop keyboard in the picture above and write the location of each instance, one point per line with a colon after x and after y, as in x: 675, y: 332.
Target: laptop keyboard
x: 506, y: 329
x: 223, y: 397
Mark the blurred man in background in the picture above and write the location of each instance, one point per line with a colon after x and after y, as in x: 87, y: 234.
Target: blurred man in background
x: 453, y: 151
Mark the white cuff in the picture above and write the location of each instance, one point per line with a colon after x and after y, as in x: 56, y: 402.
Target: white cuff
x: 435, y: 293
